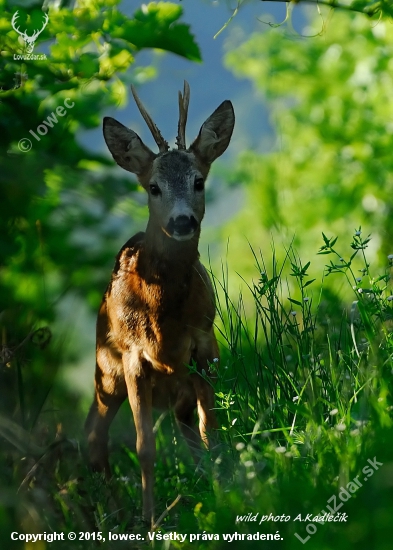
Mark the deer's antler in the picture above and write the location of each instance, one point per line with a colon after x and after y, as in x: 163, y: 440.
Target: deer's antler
x: 161, y: 142
x: 184, y: 100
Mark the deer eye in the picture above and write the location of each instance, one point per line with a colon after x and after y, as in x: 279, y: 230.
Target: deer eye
x: 154, y: 189
x: 199, y: 184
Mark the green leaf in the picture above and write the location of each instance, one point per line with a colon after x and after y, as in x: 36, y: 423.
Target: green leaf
x: 87, y: 65
x: 326, y: 240
x: 367, y: 320
x: 155, y: 26
x: 386, y: 7
x: 304, y: 269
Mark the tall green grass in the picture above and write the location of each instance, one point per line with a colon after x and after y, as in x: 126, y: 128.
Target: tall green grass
x: 299, y: 355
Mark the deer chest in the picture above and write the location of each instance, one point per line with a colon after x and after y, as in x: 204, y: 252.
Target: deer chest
x: 164, y: 318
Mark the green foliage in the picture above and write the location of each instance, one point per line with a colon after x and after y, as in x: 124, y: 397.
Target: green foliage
x: 330, y: 105
x: 154, y: 26
x: 292, y: 345
x: 305, y: 392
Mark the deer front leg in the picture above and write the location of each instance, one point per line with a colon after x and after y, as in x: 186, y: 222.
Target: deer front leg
x: 184, y: 413
x: 205, y: 407
x: 139, y: 389
x: 206, y: 353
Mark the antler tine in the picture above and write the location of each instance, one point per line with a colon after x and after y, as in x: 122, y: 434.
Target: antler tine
x: 161, y: 142
x: 184, y: 100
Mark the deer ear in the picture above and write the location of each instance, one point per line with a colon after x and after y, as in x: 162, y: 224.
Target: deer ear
x: 126, y: 147
x: 215, y: 133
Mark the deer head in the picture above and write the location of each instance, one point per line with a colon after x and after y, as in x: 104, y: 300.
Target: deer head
x: 174, y: 179
x: 29, y: 40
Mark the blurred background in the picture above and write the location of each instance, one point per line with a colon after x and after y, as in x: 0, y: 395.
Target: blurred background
x: 311, y: 153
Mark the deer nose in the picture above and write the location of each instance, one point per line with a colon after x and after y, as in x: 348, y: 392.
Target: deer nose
x: 182, y: 225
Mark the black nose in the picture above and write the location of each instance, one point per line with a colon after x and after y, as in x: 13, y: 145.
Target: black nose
x: 182, y: 225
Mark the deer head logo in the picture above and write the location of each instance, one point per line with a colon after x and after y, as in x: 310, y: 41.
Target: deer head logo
x: 29, y: 40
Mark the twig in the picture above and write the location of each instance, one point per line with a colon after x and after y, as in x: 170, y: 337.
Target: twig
x: 229, y: 20
x: 165, y: 513
x: 367, y: 10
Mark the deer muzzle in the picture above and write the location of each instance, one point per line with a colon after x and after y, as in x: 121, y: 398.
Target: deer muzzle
x: 182, y: 227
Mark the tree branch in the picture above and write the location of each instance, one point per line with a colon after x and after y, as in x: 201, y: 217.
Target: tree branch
x: 356, y: 5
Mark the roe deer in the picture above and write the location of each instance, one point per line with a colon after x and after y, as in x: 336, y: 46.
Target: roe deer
x: 158, y: 310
